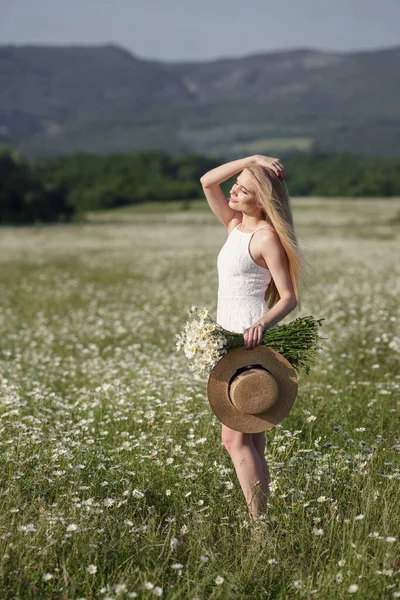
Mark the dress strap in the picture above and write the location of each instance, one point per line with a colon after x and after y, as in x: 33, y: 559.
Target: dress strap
x: 248, y: 232
x: 259, y: 228
x: 248, y: 248
x: 253, y: 232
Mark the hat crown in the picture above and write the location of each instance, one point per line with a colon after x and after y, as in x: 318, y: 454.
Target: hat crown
x: 253, y: 389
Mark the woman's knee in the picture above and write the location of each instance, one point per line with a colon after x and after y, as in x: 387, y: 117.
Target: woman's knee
x: 234, y: 440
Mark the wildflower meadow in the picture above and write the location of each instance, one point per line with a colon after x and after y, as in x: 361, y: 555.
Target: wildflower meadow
x: 114, y: 480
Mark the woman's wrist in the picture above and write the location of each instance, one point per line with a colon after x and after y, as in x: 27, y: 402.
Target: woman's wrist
x: 265, y: 323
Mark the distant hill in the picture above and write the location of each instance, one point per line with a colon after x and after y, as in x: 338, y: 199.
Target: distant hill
x: 103, y: 99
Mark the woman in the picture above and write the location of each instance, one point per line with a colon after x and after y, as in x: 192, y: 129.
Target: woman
x: 258, y: 283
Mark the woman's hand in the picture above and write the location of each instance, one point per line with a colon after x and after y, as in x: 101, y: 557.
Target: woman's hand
x: 253, y: 335
x: 272, y: 163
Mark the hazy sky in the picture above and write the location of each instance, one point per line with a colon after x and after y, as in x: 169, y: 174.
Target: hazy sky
x: 177, y: 30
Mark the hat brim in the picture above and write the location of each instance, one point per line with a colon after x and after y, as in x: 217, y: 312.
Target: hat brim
x: 218, y: 382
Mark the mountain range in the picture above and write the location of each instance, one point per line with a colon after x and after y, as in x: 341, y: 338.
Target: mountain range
x: 55, y: 100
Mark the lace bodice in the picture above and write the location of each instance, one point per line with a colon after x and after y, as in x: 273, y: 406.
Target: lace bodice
x: 241, y: 283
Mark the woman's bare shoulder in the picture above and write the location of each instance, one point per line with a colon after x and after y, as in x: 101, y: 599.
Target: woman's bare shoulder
x: 266, y: 238
x: 269, y: 231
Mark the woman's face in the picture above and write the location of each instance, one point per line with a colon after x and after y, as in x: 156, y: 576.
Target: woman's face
x: 242, y: 196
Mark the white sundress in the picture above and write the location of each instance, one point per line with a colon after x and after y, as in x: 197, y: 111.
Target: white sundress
x: 241, y: 283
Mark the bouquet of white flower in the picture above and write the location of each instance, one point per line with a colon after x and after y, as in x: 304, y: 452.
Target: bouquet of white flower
x: 204, y: 341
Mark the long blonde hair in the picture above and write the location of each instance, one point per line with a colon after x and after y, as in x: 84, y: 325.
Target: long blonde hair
x: 272, y: 194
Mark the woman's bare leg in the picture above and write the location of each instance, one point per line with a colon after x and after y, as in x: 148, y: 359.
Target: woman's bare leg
x: 249, y: 468
x: 259, y: 444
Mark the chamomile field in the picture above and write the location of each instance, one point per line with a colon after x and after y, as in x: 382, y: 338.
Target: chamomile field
x: 114, y: 479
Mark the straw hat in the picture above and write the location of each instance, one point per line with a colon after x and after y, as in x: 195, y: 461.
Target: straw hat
x: 252, y: 390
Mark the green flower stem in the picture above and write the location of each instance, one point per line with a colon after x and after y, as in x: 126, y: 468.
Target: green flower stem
x: 296, y: 341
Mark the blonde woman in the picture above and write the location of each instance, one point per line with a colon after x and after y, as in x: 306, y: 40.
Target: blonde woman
x: 259, y: 268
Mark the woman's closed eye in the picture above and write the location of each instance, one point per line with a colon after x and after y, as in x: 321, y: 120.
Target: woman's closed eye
x: 237, y: 183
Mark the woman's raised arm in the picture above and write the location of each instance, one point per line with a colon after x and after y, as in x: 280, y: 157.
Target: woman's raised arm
x: 222, y: 173
x: 213, y: 192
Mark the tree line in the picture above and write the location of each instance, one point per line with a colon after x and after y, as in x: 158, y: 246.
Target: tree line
x: 59, y: 189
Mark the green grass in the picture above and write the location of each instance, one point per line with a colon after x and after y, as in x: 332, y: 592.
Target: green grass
x: 113, y: 473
